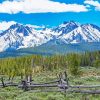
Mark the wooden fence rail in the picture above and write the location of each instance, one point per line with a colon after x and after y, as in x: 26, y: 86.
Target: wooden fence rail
x: 60, y: 85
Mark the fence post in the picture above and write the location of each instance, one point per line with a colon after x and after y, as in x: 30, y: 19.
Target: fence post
x: 60, y: 78
x: 66, y: 81
x: 66, y: 78
x: 62, y: 83
x: 2, y: 80
x: 25, y: 87
x: 29, y: 79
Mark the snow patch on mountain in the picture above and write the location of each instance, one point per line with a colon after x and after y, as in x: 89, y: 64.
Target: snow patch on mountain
x: 23, y: 36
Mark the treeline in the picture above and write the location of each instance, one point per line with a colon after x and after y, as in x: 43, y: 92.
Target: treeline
x: 24, y: 66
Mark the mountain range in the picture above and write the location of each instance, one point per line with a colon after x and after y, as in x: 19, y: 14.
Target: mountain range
x: 19, y: 36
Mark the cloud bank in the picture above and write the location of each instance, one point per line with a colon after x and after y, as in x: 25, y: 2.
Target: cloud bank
x: 35, y: 26
x: 5, y: 25
x: 96, y: 4
x: 39, y: 6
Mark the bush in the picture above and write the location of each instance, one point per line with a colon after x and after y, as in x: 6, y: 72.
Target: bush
x: 96, y: 63
x: 73, y: 64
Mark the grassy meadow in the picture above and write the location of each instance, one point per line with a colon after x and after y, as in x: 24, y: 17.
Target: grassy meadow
x: 82, y: 69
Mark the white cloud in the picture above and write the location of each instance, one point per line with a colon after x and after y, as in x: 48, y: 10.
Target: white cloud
x: 35, y: 26
x: 39, y: 6
x: 5, y: 25
x: 96, y: 4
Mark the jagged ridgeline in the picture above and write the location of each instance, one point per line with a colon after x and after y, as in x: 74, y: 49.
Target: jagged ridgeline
x: 23, y: 36
x: 20, y: 66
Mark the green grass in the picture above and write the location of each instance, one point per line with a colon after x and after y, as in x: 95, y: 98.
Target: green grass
x: 88, y: 76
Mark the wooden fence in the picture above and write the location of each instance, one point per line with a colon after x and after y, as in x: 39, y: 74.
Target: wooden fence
x: 60, y: 85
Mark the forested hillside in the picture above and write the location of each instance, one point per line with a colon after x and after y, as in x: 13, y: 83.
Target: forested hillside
x: 23, y: 66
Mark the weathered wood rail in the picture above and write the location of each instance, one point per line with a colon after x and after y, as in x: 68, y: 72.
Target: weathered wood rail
x: 60, y: 85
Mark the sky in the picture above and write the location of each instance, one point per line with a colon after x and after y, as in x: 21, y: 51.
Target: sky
x: 48, y: 13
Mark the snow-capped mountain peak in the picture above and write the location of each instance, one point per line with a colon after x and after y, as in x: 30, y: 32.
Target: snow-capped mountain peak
x: 66, y: 27
x: 82, y: 33
x: 24, y: 36
x: 19, y: 28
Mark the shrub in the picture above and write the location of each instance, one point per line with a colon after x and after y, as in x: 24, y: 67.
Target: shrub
x: 73, y: 64
x: 96, y: 63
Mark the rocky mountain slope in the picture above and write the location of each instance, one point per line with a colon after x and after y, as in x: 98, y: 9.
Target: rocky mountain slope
x: 23, y: 36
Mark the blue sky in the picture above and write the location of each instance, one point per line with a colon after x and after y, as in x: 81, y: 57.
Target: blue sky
x: 50, y: 12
